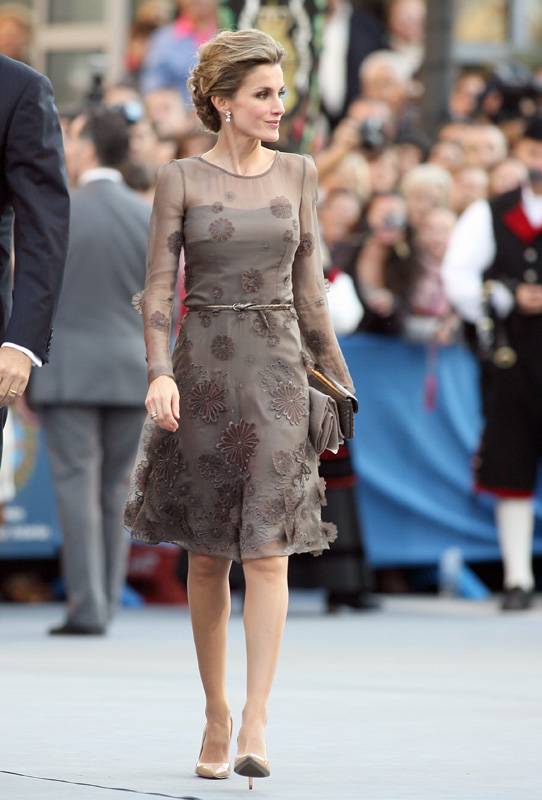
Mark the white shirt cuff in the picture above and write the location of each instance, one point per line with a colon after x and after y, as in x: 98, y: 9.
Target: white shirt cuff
x: 502, y: 299
x: 37, y: 362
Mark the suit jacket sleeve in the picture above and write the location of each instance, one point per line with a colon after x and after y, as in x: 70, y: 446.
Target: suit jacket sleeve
x: 38, y: 189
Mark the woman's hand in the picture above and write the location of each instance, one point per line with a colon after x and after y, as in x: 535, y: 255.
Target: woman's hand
x: 163, y: 401
x: 446, y: 335
x: 346, y: 135
x: 379, y: 300
x: 529, y: 298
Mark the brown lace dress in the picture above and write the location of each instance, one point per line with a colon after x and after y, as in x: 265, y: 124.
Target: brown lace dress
x: 239, y: 478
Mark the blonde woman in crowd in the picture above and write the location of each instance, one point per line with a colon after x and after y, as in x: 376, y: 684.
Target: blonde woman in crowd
x: 423, y: 188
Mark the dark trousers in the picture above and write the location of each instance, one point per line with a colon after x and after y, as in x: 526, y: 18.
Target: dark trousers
x: 92, y: 450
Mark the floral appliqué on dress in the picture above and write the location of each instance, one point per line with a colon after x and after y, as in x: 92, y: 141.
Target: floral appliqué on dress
x: 306, y: 245
x: 175, y: 243
x: 168, y: 461
x: 290, y: 402
x: 206, y: 399
x: 238, y: 443
x: 159, y: 321
x: 252, y: 280
x: 317, y: 341
x: 223, y: 347
x: 274, y: 374
x: 281, y: 207
x: 264, y: 323
x: 221, y: 230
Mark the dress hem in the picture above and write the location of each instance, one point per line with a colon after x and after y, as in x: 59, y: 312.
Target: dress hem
x: 315, y: 550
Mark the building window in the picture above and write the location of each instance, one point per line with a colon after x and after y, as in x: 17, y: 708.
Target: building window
x: 78, y: 40
x: 73, y: 73
x: 65, y: 11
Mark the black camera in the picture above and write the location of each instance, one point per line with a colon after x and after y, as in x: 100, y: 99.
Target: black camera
x: 132, y: 111
x: 394, y: 221
x: 514, y: 84
x: 371, y: 133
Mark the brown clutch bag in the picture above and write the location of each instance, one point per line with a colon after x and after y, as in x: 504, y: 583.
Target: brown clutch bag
x: 347, y: 405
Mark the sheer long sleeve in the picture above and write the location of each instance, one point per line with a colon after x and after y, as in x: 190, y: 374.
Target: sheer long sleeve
x: 309, y: 287
x: 165, y: 244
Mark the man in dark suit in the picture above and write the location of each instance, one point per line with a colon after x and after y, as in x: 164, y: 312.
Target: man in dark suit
x: 33, y: 185
x: 91, y: 397
x: 350, y: 35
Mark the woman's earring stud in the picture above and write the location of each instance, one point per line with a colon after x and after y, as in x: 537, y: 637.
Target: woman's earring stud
x: 228, y: 116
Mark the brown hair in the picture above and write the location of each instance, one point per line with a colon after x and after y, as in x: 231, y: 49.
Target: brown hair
x: 223, y: 65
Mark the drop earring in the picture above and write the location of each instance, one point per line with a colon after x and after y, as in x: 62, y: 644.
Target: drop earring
x: 228, y: 116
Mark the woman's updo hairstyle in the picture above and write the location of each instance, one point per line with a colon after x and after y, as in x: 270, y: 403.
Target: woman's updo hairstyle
x: 224, y: 62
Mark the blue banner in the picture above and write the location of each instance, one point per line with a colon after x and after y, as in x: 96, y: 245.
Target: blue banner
x: 30, y: 528
x: 415, y: 494
x: 415, y: 491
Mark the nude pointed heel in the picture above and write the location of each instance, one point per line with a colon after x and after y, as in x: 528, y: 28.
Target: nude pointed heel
x: 251, y: 766
x: 216, y: 770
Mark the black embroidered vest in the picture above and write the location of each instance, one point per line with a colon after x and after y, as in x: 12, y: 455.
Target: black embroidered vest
x: 518, y: 260
x: 519, y: 245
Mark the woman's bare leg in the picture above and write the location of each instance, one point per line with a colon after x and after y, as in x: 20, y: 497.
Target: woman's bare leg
x: 266, y: 605
x: 210, y: 605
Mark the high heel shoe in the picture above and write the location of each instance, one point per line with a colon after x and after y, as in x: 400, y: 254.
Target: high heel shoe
x: 251, y: 766
x: 214, y: 769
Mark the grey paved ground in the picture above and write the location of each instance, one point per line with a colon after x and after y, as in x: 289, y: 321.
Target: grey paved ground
x: 427, y: 699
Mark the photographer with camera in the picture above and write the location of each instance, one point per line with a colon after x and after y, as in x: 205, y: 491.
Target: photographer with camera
x: 367, y: 127
x: 386, y: 270
x: 493, y: 275
x: 399, y: 270
x: 511, y: 94
x: 464, y: 96
x: 386, y: 77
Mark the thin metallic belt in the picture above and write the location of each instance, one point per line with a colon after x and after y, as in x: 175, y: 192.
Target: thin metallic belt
x: 244, y: 307
x: 261, y: 308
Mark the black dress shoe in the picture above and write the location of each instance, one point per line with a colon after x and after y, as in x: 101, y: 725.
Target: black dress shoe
x: 70, y: 629
x: 517, y: 599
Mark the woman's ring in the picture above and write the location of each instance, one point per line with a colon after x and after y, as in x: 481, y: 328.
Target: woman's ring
x: 13, y: 391
x: 154, y: 414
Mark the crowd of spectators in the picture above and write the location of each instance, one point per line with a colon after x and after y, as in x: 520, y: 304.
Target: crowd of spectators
x: 410, y: 188
x: 389, y: 194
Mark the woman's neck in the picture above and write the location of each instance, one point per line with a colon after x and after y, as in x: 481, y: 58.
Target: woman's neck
x: 244, y: 157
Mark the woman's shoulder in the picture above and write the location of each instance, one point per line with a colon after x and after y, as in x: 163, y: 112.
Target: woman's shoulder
x: 300, y: 166
x: 296, y: 160
x: 178, y: 170
x: 188, y: 164
x: 184, y: 164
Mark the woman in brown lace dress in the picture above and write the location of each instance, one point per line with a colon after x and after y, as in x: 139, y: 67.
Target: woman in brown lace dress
x: 226, y: 468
